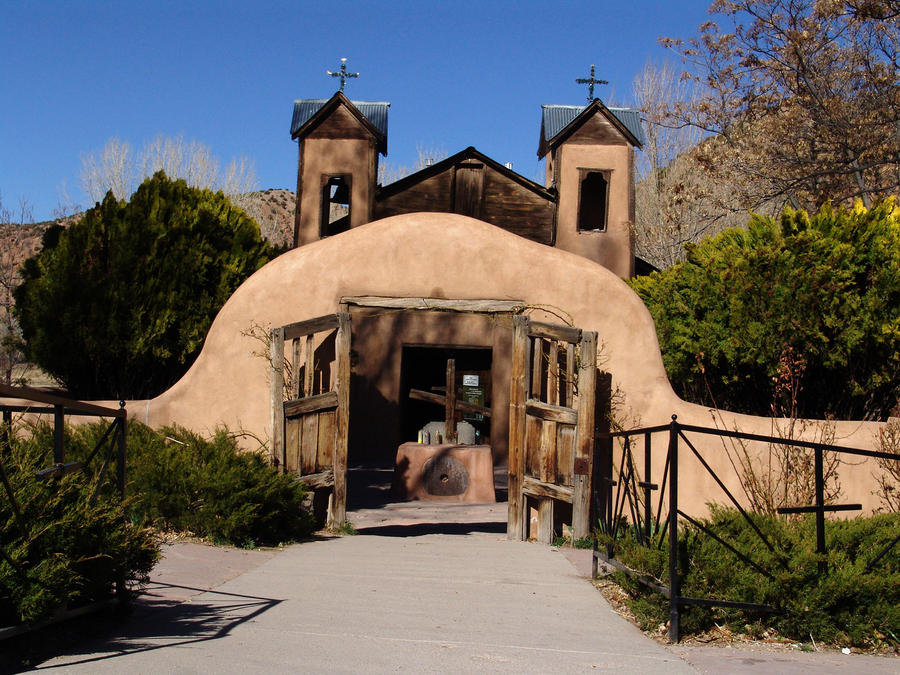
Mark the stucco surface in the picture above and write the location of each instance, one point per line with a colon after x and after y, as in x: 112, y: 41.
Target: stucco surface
x: 449, y: 256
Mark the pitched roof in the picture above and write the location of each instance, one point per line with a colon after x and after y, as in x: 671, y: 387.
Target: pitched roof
x: 373, y: 113
x: 555, y: 119
x: 469, y: 153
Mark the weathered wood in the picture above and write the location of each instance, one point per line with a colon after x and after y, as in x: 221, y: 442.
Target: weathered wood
x: 276, y: 425
x: 533, y: 426
x: 570, y: 375
x: 468, y: 189
x: 538, y: 367
x: 326, y: 439
x: 440, y: 399
x: 292, y: 432
x: 310, y: 326
x: 441, y: 304
x: 450, y: 403
x: 317, y: 480
x: 553, y: 413
x: 545, y: 521
x: 584, y: 440
x: 547, y: 463
x: 70, y: 405
x: 337, y: 513
x: 317, y: 403
x: 342, y: 124
x: 541, y: 489
x: 504, y: 198
x: 295, y: 369
x: 552, y: 331
x: 516, y: 461
x: 553, y: 374
x: 309, y: 367
x: 598, y: 130
x: 309, y: 443
x: 565, y: 454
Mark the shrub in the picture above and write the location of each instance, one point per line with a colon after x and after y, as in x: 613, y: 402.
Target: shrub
x: 823, y: 289
x: 62, y: 550
x: 212, y: 489
x: 849, y: 604
x: 179, y: 481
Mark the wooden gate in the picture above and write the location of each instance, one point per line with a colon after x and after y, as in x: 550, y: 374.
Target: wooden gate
x: 309, y: 429
x: 553, y: 386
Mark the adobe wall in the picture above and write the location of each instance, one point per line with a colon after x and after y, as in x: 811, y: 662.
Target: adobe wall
x: 450, y: 256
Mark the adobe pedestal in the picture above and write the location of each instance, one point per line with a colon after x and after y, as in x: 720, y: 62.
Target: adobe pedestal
x: 445, y: 472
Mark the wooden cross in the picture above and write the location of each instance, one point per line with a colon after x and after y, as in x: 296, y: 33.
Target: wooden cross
x: 590, y: 81
x: 343, y: 74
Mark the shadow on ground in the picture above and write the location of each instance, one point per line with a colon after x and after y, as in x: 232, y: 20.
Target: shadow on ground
x: 421, y: 529
x: 154, y: 623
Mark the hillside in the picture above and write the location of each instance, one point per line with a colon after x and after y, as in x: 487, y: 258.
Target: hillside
x: 272, y: 209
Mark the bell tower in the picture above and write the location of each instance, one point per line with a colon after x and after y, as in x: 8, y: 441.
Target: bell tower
x: 589, y: 154
x: 339, y: 142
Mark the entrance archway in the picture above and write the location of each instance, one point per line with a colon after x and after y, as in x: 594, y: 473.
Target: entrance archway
x: 356, y: 404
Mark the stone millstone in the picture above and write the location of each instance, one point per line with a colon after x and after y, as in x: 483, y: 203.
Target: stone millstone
x: 445, y: 476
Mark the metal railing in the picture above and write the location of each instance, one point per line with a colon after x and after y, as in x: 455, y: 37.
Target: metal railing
x: 111, y: 447
x: 623, y: 497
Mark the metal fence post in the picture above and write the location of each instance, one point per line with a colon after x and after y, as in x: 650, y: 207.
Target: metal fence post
x: 648, y: 527
x: 120, y: 457
x: 59, y: 429
x: 820, y: 510
x: 674, y: 583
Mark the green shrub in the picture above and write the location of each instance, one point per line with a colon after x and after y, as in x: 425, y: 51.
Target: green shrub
x: 181, y: 482
x: 848, y: 604
x: 822, y: 289
x: 210, y: 488
x: 62, y: 551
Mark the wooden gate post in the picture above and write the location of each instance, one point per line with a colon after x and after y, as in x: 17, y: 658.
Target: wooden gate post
x: 584, y: 434
x: 517, y: 393
x: 276, y: 357
x: 337, y: 511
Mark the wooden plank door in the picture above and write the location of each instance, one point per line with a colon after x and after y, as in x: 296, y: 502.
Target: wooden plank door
x: 552, y: 403
x: 309, y: 429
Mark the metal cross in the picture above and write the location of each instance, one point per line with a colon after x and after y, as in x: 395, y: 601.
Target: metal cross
x: 343, y: 74
x: 590, y: 81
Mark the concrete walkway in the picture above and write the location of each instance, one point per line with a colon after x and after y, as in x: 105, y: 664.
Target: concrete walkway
x: 411, y: 593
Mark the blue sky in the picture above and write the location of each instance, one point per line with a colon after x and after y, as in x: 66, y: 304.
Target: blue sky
x: 76, y: 73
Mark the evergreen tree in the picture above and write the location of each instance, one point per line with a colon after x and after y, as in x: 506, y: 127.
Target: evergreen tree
x: 808, y: 308
x: 118, y: 304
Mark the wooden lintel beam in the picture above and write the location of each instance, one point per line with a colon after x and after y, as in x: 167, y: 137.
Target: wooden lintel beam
x: 310, y: 326
x: 440, y: 399
x: 440, y: 304
x: 552, y: 331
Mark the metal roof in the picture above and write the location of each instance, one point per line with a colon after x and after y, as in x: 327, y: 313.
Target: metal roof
x: 558, y: 117
x: 374, y: 111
